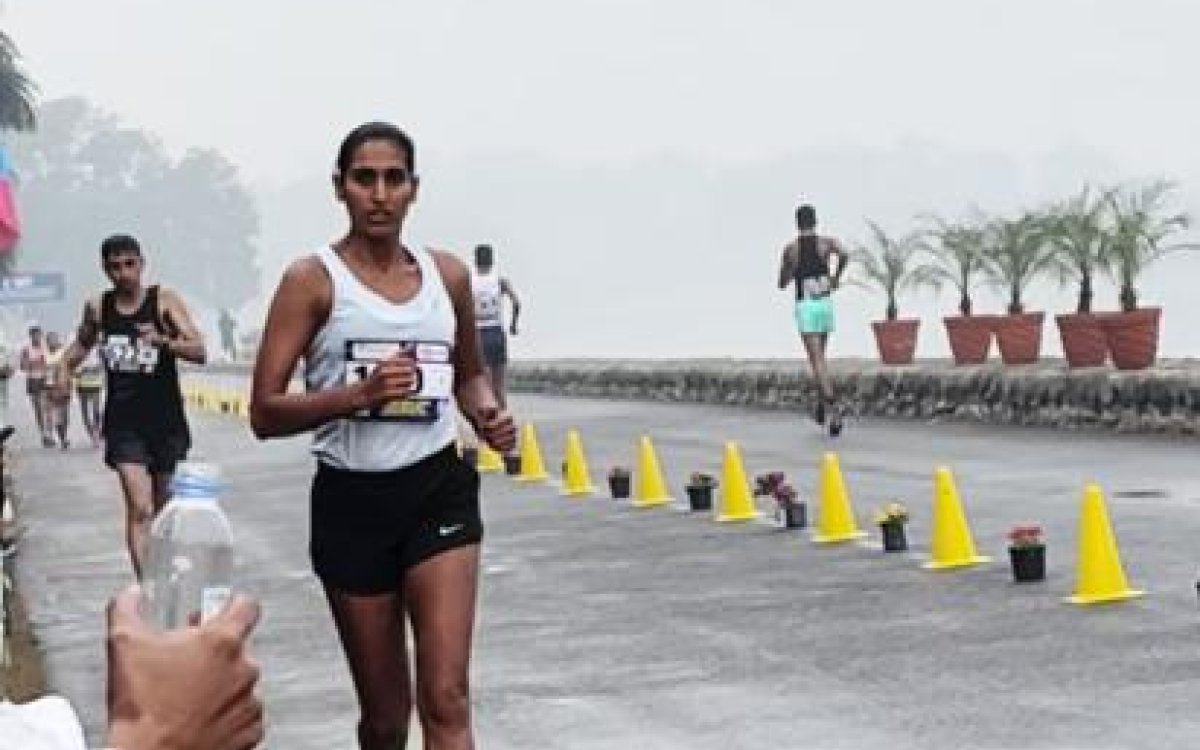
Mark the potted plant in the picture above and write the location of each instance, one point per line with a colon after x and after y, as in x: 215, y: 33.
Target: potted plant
x: 619, y: 482
x: 1076, y: 232
x: 888, y: 264
x: 891, y: 519
x: 470, y: 455
x: 512, y: 464
x: 1140, y: 222
x: 1018, y: 253
x: 957, y: 251
x: 790, y: 511
x: 1027, y: 552
x: 700, y: 490
x: 765, y: 484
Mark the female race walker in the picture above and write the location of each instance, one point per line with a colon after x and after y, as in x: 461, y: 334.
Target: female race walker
x: 388, y: 339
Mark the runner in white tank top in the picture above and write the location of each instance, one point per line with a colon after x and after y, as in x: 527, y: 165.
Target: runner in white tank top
x: 489, y: 289
x: 388, y: 338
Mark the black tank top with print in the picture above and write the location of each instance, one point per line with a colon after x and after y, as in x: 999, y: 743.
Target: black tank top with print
x: 143, y: 380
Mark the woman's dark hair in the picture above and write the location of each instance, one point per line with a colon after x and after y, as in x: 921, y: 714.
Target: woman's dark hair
x: 375, y: 131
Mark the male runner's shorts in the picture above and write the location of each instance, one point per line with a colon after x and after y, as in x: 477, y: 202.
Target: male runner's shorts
x: 494, y: 345
x: 815, y: 315
x: 34, y: 386
x: 157, y: 452
x: 369, y: 527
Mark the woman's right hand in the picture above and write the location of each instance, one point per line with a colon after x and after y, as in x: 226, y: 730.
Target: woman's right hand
x: 392, y: 379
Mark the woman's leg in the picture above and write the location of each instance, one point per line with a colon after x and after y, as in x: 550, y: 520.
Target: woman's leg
x: 371, y: 629
x: 441, y: 602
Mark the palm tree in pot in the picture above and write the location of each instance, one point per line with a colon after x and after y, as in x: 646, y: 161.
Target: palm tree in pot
x: 1076, y: 231
x: 1017, y: 253
x: 889, y: 264
x: 957, y: 261
x: 1140, y: 223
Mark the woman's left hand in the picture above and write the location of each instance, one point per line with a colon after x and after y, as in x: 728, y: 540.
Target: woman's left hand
x: 498, y: 430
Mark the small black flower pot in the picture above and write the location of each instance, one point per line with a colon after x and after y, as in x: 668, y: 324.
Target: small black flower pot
x: 894, y: 539
x: 700, y: 498
x: 512, y: 465
x: 1028, y: 563
x: 792, y: 516
x: 470, y: 457
x: 619, y: 487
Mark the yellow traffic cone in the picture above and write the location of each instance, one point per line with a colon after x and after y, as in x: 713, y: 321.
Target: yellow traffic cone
x: 489, y: 461
x: 835, y: 521
x: 651, y: 489
x: 737, y: 503
x: 578, y: 480
x: 1100, y: 577
x: 533, y: 469
x: 953, y: 546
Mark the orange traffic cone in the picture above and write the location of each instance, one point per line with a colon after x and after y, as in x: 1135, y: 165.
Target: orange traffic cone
x: 1100, y: 576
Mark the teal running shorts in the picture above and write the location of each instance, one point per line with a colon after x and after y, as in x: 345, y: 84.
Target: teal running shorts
x: 814, y: 315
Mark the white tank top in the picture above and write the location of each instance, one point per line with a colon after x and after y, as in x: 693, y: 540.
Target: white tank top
x: 486, y: 289
x: 363, y: 327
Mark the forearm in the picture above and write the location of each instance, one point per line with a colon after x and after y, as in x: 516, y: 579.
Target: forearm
x: 286, y: 414
x: 475, y: 397
x: 189, y: 350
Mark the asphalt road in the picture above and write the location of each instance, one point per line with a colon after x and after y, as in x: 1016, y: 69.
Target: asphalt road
x: 606, y: 627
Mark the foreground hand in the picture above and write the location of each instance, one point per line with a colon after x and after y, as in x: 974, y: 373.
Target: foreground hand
x: 498, y: 430
x: 392, y: 379
x: 185, y: 689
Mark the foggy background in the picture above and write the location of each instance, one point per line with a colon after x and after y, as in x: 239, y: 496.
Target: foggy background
x: 636, y: 164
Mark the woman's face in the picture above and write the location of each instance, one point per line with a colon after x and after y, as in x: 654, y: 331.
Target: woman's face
x: 377, y: 189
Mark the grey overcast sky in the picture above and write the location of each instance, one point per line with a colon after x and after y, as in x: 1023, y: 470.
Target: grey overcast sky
x: 636, y: 162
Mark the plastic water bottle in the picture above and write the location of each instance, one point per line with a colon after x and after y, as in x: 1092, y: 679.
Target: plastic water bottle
x: 189, y: 571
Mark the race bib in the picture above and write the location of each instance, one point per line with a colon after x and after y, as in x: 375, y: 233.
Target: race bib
x: 129, y: 355
x: 435, y: 378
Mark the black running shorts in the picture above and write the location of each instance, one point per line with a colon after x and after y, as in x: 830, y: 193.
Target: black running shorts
x: 159, y: 453
x: 493, y: 345
x: 368, y: 528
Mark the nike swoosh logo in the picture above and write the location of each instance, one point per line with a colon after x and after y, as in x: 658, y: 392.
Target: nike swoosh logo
x: 448, y: 530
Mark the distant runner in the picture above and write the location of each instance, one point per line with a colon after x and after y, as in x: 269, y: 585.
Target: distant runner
x: 56, y: 401
x: 33, y: 367
x: 489, y: 290
x: 141, y: 332
x: 89, y: 386
x: 806, y: 263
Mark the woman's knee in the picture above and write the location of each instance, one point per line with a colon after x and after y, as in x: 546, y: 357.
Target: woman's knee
x: 445, y: 704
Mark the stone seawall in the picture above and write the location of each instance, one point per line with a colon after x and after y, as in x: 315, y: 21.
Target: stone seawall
x: 1165, y: 399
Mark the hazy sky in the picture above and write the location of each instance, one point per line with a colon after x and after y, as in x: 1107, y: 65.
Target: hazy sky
x: 654, y: 149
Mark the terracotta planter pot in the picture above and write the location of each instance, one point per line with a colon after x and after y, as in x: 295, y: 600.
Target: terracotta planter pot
x: 896, y: 340
x: 1083, y: 340
x: 970, y: 338
x: 1132, y: 337
x: 1020, y: 337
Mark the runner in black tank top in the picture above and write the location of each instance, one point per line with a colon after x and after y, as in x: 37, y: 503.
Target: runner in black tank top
x: 141, y: 332
x: 143, y: 381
